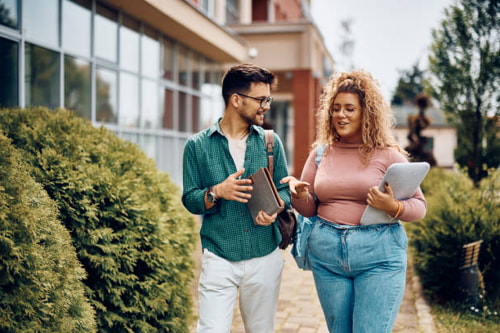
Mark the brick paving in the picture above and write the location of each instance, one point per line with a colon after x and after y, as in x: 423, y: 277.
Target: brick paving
x: 299, y: 310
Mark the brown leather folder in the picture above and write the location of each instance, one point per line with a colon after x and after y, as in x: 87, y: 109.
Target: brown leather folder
x: 264, y: 194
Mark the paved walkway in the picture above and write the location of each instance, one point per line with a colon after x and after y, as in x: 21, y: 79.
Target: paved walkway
x: 299, y: 310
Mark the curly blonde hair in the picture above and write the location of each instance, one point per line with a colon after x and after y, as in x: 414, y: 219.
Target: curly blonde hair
x: 377, y: 118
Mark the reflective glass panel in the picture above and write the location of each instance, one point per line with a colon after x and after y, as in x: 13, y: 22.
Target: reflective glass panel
x: 76, y: 27
x: 183, y: 66
x: 150, y: 60
x: 77, y: 86
x: 9, y: 13
x: 106, y: 95
x: 195, y: 115
x: 168, y: 60
x: 149, y: 145
x: 150, y: 117
x: 41, y: 77
x: 41, y: 21
x: 183, y: 112
x: 129, y: 45
x: 9, y: 72
x: 195, y: 70
x: 129, y: 101
x: 168, y: 109
x: 106, y: 34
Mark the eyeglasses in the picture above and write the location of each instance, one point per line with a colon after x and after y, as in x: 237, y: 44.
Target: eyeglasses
x: 348, y: 112
x: 264, y: 101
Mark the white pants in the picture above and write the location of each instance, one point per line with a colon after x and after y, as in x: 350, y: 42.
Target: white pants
x: 258, y: 281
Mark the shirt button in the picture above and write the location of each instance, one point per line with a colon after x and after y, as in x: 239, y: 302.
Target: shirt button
x: 246, y: 230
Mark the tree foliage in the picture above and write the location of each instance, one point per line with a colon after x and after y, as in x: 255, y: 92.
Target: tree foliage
x: 130, y: 230
x: 410, y: 84
x: 41, y: 280
x: 465, y: 67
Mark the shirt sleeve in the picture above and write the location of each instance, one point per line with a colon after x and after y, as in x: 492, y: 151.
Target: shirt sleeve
x: 193, y: 195
x: 280, y: 170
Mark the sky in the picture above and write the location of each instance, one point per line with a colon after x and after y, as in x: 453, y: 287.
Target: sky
x: 389, y: 36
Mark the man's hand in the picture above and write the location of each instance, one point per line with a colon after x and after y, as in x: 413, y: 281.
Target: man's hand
x: 264, y: 219
x: 298, y: 188
x: 233, y: 188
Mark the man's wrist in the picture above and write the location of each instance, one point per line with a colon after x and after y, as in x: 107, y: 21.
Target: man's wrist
x: 212, y: 195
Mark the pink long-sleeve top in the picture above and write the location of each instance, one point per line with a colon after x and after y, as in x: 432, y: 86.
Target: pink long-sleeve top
x: 341, y: 183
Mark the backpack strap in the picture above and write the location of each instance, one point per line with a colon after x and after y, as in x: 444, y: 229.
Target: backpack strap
x: 269, y: 138
x: 319, y: 153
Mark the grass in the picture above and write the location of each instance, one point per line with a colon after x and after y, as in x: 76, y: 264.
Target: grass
x: 456, y: 319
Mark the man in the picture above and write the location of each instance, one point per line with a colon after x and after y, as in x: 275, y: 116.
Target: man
x: 239, y: 254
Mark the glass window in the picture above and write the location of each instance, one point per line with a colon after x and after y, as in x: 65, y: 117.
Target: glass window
x: 168, y: 60
x: 41, y: 77
x: 195, y: 116
x: 41, y: 21
x: 168, y: 109
x: 129, y: 45
x: 77, y: 86
x: 76, y: 27
x: 183, y: 112
x: 106, y: 95
x: 196, y: 72
x: 9, y: 13
x: 149, y: 144
x: 150, y: 109
x: 183, y: 66
x: 150, y: 60
x: 106, y: 34
x: 9, y: 72
x: 129, y: 101
x: 232, y: 11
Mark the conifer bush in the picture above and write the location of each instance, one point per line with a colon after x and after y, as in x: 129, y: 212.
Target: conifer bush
x: 41, y: 288
x: 129, y: 228
x: 458, y: 213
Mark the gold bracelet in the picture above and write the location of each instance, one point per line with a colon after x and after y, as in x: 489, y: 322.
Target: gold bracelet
x: 400, y: 208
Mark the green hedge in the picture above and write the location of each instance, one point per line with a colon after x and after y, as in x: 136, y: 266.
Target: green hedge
x: 458, y: 213
x: 41, y: 287
x: 130, y: 230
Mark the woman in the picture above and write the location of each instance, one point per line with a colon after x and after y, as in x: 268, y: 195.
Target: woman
x: 359, y: 271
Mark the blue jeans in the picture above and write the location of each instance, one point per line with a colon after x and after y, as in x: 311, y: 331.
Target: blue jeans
x: 360, y: 274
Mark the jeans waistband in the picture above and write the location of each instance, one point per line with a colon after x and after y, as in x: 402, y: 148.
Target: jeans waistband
x: 360, y: 227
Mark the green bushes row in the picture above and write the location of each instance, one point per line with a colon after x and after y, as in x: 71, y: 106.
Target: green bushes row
x: 41, y: 286
x: 458, y: 213
x: 131, y: 233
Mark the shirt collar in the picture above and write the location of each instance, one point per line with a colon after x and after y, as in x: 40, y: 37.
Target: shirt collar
x: 216, y: 128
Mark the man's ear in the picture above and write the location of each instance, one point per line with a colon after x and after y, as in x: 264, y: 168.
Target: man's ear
x: 235, y: 100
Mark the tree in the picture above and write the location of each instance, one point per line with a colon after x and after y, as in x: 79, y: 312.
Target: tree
x: 465, y: 67
x: 410, y: 84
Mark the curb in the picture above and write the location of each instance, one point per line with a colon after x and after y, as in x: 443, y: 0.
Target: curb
x: 425, y: 319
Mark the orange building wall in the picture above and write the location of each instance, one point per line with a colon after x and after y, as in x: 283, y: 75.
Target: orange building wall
x: 305, y: 89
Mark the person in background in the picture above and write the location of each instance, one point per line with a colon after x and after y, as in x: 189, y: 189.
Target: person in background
x: 239, y: 254
x: 359, y: 270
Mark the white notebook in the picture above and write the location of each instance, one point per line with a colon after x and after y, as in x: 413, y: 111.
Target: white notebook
x: 404, y: 179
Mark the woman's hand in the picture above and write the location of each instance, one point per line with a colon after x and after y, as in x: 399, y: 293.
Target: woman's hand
x: 384, y: 200
x: 298, y: 188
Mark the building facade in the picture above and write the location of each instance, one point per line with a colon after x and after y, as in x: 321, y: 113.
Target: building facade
x: 150, y: 70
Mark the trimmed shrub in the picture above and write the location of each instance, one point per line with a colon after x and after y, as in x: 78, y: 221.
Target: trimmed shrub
x: 131, y: 232
x: 41, y: 287
x: 458, y: 213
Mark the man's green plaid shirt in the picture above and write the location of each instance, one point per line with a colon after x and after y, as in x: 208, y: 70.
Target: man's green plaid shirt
x: 227, y: 228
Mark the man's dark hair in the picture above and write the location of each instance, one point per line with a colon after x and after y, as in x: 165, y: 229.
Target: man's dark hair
x: 240, y: 77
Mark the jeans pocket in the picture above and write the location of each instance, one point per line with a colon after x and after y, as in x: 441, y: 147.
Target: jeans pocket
x: 399, y: 235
